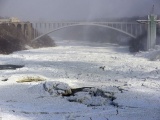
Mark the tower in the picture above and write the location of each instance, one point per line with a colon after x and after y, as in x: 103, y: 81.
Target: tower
x: 151, y: 35
x: 152, y: 27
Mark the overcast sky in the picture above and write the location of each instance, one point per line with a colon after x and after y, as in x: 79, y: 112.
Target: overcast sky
x: 53, y: 10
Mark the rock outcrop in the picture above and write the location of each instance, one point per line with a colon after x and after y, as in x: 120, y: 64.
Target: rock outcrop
x: 12, y: 39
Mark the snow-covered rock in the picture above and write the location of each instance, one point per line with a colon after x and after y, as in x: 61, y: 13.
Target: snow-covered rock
x: 20, y: 78
x: 90, y: 97
x: 57, y: 88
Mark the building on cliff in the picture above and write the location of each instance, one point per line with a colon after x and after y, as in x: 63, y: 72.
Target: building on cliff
x: 9, y: 20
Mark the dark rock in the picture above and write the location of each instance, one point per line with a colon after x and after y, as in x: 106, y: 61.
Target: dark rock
x: 13, y: 39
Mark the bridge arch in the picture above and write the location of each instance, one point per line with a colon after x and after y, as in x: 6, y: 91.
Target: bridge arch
x: 13, y: 25
x: 19, y: 27
x: 85, y: 24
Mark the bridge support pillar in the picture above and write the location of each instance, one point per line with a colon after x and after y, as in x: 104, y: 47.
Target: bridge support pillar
x: 151, y: 36
x: 29, y: 31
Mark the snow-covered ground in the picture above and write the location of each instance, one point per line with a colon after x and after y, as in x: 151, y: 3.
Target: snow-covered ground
x: 133, y: 79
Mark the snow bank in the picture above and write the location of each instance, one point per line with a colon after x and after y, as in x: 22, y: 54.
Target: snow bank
x: 153, y: 54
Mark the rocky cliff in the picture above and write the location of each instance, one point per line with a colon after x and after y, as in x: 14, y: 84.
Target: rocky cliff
x: 12, y: 39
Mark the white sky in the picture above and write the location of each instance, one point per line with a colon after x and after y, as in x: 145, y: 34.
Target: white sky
x: 75, y: 9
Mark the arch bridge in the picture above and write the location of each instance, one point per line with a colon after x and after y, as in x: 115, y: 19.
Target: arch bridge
x: 131, y: 29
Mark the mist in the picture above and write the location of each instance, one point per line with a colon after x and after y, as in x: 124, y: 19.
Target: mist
x: 78, y: 10
x: 54, y: 10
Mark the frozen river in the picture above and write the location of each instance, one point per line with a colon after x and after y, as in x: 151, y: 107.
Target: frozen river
x: 133, y: 79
